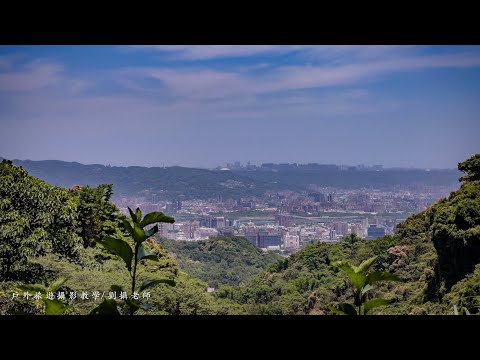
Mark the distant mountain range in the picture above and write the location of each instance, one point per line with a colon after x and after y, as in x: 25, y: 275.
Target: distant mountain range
x: 171, y: 182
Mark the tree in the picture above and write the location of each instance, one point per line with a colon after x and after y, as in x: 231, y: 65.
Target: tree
x: 351, y: 238
x: 97, y: 216
x: 35, y: 218
x: 362, y: 281
x: 471, y: 167
x: 135, y: 227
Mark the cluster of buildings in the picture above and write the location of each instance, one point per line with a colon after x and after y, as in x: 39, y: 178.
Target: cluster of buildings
x: 288, y: 220
x: 281, y: 233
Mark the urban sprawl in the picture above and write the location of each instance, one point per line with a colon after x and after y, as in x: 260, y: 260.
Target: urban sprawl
x: 286, y: 221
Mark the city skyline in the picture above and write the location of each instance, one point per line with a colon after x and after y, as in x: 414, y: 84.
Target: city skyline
x: 232, y: 165
x: 203, y: 106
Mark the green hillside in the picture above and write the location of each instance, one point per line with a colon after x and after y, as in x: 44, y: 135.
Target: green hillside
x: 46, y: 234
x: 436, y: 253
x: 191, y: 183
x: 223, y: 260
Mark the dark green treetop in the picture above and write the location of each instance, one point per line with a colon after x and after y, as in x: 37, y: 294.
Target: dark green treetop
x: 471, y: 167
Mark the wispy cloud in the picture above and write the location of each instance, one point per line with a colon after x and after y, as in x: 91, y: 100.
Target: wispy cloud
x: 306, y: 52
x: 211, y: 83
x: 203, y: 52
x: 35, y: 75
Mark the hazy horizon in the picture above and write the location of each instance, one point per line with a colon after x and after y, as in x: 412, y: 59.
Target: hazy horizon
x: 205, y: 106
x: 243, y: 164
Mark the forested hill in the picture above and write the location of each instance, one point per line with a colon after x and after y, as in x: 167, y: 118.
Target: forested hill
x: 202, y: 183
x: 46, y: 235
x: 135, y: 180
x: 222, y: 260
x: 436, y: 253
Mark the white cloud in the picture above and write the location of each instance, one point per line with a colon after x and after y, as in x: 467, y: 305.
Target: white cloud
x: 213, y: 84
x: 35, y: 75
x: 337, y: 53
x: 203, y: 52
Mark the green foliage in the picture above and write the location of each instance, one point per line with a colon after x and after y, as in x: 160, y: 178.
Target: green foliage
x: 35, y: 218
x: 97, y: 216
x: 40, y: 222
x: 454, y: 226
x: 52, y: 306
x: 43, y: 228
x: 471, y: 168
x: 373, y: 303
x: 150, y: 282
x: 343, y: 309
x: 363, y: 279
x: 466, y: 293
x: 351, y: 238
x: 222, y: 260
x: 313, y: 257
x: 435, y: 252
x: 206, y: 184
x: 107, y: 307
x: 116, y: 246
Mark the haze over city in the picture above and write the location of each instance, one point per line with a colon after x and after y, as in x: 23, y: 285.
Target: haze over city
x: 202, y: 106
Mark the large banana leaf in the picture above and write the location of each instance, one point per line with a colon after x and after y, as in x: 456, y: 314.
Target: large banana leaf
x: 364, y: 266
x: 358, y: 279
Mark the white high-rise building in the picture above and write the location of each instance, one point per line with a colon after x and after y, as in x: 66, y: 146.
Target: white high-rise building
x: 291, y: 241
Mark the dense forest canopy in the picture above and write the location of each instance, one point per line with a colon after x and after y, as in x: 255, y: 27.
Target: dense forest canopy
x: 222, y: 260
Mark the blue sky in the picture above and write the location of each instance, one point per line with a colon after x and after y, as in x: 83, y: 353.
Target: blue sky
x: 203, y: 106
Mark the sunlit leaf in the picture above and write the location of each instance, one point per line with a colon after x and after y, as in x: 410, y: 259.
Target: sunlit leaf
x: 144, y: 253
x: 358, y: 279
x: 138, y: 234
x: 57, y: 284
x: 148, y: 283
x: 336, y: 311
x: 128, y: 226
x: 373, y: 303
x: 54, y: 307
x: 366, y: 288
x: 118, y: 247
x: 138, y: 214
x: 364, y: 266
x: 133, y: 215
x: 155, y: 217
